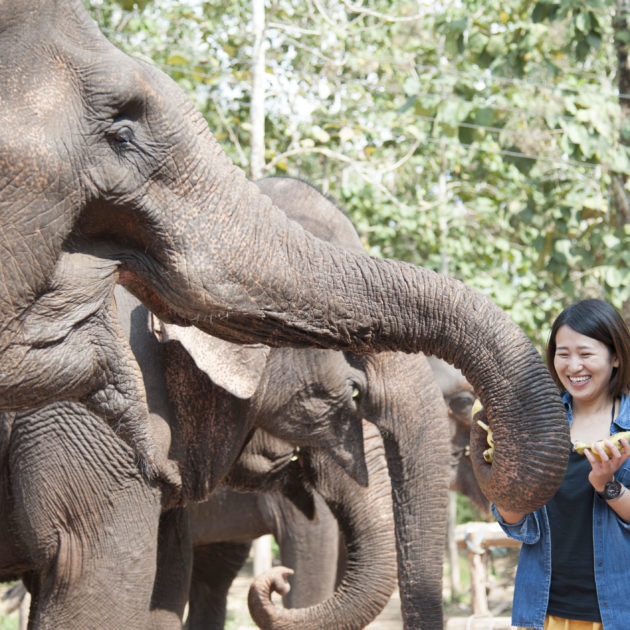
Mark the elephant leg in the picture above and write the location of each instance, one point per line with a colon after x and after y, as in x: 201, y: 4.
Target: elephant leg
x: 214, y: 569
x: 87, y: 518
x: 174, y: 568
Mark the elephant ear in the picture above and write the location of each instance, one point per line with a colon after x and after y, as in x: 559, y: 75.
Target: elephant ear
x: 237, y: 368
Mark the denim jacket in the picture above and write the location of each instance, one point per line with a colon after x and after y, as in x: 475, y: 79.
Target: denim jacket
x: 611, y: 546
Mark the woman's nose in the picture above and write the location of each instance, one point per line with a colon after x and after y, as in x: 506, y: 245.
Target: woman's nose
x: 575, y: 363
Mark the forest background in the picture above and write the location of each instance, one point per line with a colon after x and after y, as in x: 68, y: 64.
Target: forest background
x: 488, y: 141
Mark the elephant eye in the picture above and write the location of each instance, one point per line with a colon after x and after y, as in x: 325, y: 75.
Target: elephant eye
x: 123, y: 135
x: 356, y: 393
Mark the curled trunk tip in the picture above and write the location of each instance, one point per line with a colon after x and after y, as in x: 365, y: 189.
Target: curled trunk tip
x: 275, y: 580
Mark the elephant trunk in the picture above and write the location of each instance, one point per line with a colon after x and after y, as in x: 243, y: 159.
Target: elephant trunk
x: 365, y: 518
x: 413, y: 421
x: 285, y: 287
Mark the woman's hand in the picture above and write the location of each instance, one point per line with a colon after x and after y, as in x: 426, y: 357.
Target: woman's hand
x: 603, y: 471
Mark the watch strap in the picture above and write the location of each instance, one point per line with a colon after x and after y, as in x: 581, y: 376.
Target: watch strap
x: 613, y: 490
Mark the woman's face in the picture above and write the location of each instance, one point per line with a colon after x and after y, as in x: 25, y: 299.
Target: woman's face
x: 584, y: 365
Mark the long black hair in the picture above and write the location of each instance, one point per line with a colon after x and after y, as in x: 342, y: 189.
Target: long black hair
x: 599, y: 320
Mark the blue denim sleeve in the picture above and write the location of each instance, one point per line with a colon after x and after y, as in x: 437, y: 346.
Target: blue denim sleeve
x: 623, y: 476
x: 526, y: 531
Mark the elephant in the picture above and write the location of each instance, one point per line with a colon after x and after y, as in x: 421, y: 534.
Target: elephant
x: 102, y: 154
x: 224, y: 526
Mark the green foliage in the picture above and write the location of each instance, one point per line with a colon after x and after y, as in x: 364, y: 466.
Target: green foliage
x: 467, y: 511
x: 482, y: 142
x: 9, y: 622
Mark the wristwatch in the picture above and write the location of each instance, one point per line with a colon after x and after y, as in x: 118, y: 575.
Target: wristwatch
x: 612, y: 490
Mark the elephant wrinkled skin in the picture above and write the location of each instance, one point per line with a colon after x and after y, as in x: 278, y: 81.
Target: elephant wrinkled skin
x: 224, y: 526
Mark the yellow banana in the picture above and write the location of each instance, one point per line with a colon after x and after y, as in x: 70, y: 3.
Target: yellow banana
x: 488, y: 454
x: 477, y: 406
x: 579, y: 447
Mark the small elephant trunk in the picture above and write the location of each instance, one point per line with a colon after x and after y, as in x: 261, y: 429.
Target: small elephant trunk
x: 365, y: 518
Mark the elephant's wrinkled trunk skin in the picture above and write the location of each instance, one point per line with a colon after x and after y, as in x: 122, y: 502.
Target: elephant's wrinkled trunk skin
x: 416, y: 436
x: 365, y: 518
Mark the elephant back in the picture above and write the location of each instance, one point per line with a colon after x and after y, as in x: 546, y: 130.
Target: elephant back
x: 315, y: 212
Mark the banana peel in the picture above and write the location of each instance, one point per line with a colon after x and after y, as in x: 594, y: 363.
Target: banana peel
x: 616, y: 438
x: 488, y: 454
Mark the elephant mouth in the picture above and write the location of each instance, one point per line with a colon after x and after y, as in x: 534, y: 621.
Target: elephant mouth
x: 146, y: 294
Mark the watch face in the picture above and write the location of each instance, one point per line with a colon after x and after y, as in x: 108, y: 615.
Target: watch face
x: 612, y: 490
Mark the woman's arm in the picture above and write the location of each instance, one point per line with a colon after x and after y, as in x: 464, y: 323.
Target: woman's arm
x: 511, y: 518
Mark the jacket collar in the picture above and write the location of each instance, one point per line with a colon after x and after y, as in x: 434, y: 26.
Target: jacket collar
x: 622, y: 419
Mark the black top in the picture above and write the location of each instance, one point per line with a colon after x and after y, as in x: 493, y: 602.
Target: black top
x: 573, y: 594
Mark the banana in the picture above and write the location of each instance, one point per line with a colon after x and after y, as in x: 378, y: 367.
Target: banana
x: 477, y: 406
x: 488, y: 454
x: 616, y: 438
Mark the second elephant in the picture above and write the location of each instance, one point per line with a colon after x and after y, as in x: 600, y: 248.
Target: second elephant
x: 224, y: 526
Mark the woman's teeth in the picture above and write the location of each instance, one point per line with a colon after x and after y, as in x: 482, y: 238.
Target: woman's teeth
x: 579, y: 379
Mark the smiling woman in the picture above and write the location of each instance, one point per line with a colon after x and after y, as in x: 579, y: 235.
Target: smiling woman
x: 576, y: 548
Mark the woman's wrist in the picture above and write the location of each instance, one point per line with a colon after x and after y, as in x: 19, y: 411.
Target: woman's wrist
x: 511, y: 518
x: 612, y: 491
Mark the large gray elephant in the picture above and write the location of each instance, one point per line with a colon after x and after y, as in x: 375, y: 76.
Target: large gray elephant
x: 103, y: 154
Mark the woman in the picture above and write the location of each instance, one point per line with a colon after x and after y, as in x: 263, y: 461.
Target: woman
x: 574, y: 567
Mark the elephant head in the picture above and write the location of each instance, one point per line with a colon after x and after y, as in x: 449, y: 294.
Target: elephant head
x: 102, y: 153
x: 223, y: 527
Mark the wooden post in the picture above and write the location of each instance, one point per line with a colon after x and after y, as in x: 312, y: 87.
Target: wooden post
x: 477, y: 538
x: 478, y: 577
x: 25, y: 606
x: 262, y: 554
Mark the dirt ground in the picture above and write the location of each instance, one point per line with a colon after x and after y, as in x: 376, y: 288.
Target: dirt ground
x: 458, y: 614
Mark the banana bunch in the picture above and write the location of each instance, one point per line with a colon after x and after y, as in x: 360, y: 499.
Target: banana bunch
x: 579, y: 447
